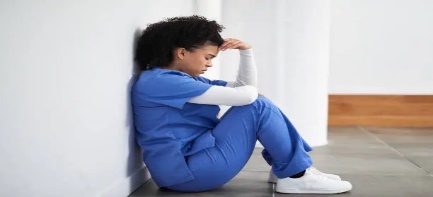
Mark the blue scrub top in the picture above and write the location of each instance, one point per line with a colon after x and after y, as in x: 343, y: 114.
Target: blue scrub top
x: 167, y: 127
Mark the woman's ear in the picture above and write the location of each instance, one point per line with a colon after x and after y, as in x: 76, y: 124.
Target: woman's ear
x: 180, y: 53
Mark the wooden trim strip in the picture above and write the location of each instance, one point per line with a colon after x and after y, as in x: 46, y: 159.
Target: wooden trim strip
x: 381, y: 110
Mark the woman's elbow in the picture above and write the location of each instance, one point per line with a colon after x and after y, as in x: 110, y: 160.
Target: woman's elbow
x: 249, y: 94
x: 252, y: 98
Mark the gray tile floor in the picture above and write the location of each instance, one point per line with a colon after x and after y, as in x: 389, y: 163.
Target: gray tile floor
x: 377, y: 161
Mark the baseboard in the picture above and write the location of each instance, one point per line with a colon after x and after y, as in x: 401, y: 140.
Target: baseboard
x: 128, y: 185
x: 381, y: 110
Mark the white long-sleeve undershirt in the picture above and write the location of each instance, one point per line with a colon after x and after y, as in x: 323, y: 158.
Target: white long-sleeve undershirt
x: 243, y: 91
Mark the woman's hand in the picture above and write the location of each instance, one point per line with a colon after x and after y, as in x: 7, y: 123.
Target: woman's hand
x: 231, y: 43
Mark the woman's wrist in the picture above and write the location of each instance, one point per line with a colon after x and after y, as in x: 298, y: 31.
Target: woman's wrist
x: 243, y: 49
x: 248, y: 51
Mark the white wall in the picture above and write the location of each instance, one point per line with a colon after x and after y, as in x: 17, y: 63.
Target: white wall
x: 256, y: 26
x: 290, y: 40
x: 381, y: 47
x: 65, y: 117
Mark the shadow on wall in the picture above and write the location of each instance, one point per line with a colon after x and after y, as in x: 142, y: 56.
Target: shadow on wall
x: 135, y: 158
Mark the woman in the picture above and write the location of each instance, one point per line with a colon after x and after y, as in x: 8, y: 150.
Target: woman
x: 185, y: 146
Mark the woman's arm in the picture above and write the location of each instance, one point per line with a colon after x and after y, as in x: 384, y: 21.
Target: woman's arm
x: 219, y: 95
x: 247, y: 72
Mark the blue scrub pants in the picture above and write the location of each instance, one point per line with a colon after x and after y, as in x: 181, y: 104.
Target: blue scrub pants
x: 236, y: 135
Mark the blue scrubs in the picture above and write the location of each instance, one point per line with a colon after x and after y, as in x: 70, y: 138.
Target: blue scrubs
x: 187, y: 148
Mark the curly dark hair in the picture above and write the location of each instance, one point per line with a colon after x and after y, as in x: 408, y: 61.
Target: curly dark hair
x: 157, y: 42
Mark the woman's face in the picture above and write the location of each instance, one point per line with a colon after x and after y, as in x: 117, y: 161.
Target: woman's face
x: 197, y: 61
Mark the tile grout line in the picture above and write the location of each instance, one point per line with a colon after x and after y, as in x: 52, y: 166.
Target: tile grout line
x: 379, y: 140
x: 392, y: 148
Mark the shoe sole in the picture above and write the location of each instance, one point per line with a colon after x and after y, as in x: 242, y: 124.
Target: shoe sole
x: 297, y: 191
x: 275, y: 182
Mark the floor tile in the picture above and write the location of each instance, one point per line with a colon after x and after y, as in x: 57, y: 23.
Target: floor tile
x: 413, y: 149
x: 248, y: 184
x: 423, y: 162
x: 402, y: 135
x: 349, y: 135
x: 355, y: 149
x: 362, y: 164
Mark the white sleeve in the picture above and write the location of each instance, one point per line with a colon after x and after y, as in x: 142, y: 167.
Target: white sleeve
x: 219, y: 95
x: 247, y: 73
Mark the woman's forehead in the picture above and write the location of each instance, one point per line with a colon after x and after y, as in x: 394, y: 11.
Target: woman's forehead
x: 210, y: 49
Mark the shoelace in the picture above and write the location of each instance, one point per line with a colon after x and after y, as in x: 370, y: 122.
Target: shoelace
x: 316, y: 173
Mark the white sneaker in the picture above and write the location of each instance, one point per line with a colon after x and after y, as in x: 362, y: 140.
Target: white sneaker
x: 273, y: 179
x: 312, y: 183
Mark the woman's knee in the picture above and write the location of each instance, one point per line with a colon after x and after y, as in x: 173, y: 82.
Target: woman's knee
x: 263, y: 101
x: 258, y: 105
